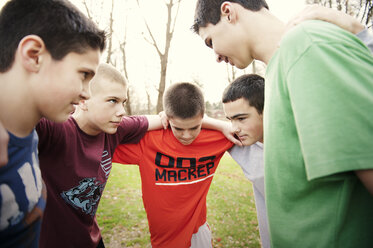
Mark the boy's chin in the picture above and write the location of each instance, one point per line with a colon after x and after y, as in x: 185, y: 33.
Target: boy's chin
x: 110, y: 130
x: 248, y: 142
x: 58, y: 118
x: 186, y: 143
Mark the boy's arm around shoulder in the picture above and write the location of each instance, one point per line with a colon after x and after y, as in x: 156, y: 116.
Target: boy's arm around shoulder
x: 317, y: 12
x: 339, y: 18
x: 156, y: 122
x: 128, y: 153
x: 222, y: 126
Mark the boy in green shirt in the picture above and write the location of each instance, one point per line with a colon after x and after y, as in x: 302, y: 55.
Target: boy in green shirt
x: 317, y: 120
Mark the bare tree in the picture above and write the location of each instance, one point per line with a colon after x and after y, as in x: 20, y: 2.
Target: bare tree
x: 163, y: 55
x: 96, y: 20
x: 367, y: 12
x: 122, y: 47
x: 110, y: 35
x: 231, y: 72
x: 89, y: 13
x: 149, y: 102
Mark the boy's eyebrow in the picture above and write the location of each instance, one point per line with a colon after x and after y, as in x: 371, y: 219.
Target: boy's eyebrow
x: 237, y: 116
x: 186, y: 128
x: 194, y: 127
x: 116, y: 98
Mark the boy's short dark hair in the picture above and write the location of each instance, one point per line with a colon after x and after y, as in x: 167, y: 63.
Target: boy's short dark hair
x: 183, y: 100
x: 208, y: 11
x: 249, y: 87
x: 61, y: 26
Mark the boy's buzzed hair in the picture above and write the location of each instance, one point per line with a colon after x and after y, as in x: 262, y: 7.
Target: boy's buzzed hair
x: 61, y: 26
x: 183, y: 100
x: 107, y: 73
x: 208, y: 11
x: 249, y: 87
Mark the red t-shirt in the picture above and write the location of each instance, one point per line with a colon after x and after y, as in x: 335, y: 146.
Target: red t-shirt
x: 175, y: 181
x: 75, y: 167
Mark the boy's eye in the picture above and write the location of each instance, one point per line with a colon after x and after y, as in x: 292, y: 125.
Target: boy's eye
x: 84, y: 75
x: 113, y: 101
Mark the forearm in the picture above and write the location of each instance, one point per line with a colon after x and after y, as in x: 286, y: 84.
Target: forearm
x: 222, y: 126
x: 339, y: 18
x: 154, y: 121
x: 215, y: 124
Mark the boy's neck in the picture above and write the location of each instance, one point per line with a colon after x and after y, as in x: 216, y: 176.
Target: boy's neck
x: 17, y: 108
x: 81, y: 118
x: 268, y: 31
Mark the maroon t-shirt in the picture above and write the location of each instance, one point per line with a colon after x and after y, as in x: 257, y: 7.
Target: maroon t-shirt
x: 75, y: 167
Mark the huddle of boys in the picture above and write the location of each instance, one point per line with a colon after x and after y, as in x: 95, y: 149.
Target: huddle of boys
x: 51, y: 77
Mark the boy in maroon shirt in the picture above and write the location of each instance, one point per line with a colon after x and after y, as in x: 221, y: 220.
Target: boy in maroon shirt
x: 75, y: 159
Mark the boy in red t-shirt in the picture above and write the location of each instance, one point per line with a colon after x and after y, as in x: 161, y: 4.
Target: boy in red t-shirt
x: 176, y: 167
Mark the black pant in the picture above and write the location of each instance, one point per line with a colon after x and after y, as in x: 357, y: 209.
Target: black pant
x: 101, y: 244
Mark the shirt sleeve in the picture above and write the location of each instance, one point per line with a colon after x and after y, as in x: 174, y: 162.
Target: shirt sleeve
x: 132, y: 129
x: 48, y: 134
x: 128, y: 154
x: 332, y: 104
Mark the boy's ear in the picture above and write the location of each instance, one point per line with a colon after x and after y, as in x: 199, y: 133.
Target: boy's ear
x: 228, y: 11
x: 31, y: 49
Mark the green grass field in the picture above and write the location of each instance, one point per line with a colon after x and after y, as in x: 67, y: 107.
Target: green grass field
x: 231, y: 210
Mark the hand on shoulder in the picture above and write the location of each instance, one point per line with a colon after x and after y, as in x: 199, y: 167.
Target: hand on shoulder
x: 317, y: 12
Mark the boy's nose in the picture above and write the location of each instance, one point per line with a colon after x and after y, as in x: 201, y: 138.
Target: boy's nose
x: 187, y: 135
x: 121, y: 111
x: 235, y: 128
x: 84, y: 94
